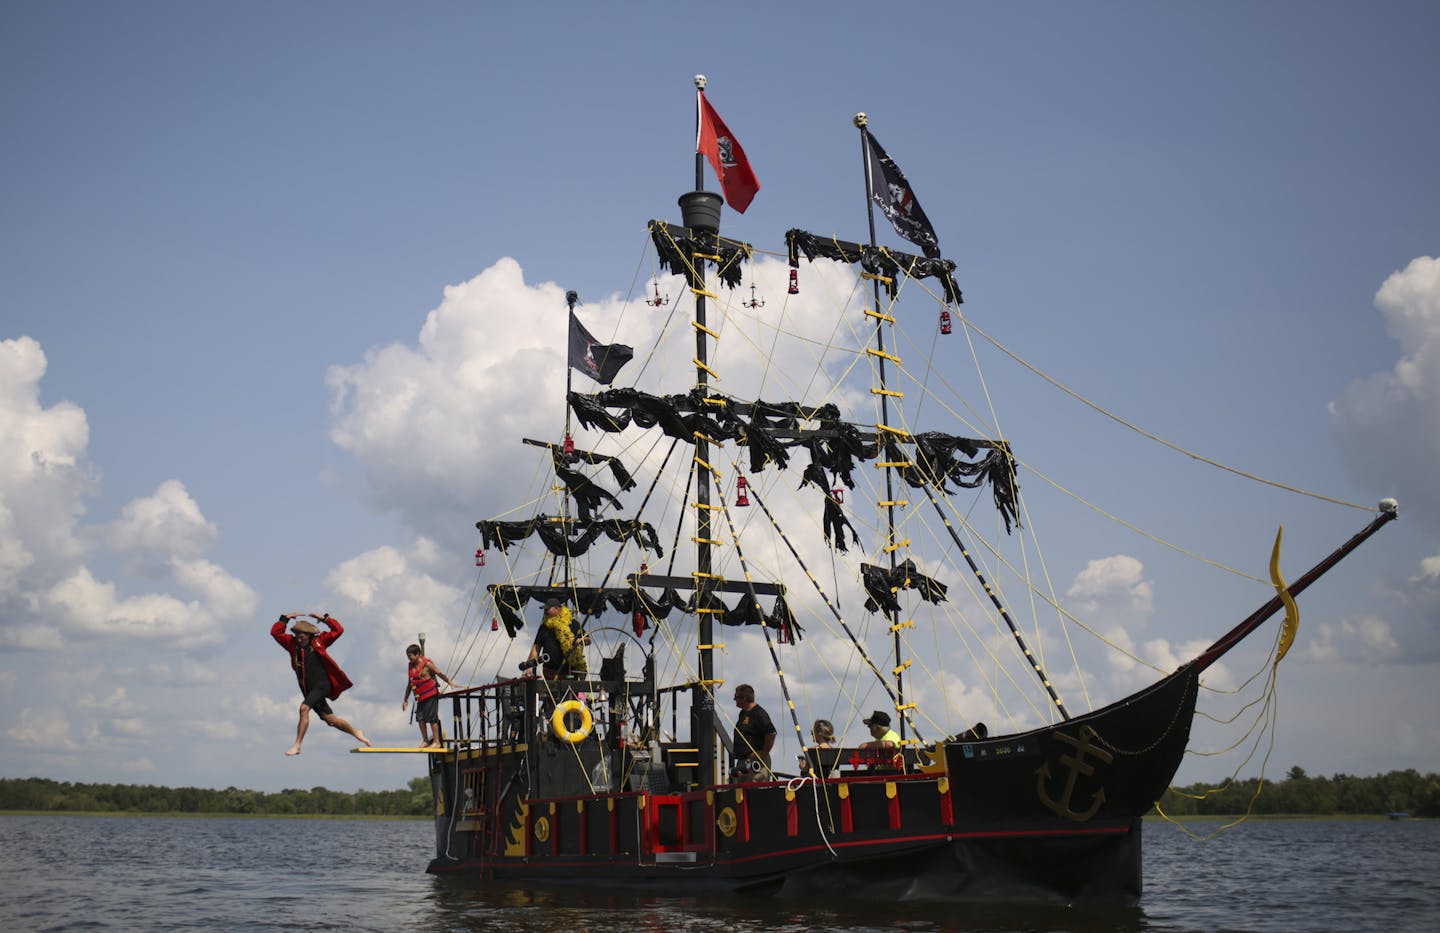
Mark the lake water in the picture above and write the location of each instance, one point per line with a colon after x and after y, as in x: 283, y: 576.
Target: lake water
x: 141, y: 873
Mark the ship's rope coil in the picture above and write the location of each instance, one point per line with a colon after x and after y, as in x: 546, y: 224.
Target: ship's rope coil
x: 559, y: 722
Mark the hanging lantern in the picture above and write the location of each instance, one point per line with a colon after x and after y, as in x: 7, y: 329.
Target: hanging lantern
x: 637, y: 621
x: 494, y: 624
x: 741, y: 499
x: 838, y: 494
x: 479, y: 557
x: 568, y: 447
x: 794, y: 281
x: 944, y: 322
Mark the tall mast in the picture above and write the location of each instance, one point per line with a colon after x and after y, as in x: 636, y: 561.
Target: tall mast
x: 861, y: 121
x: 700, y: 211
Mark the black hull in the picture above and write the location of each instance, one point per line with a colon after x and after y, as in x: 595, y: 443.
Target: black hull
x: 1052, y: 815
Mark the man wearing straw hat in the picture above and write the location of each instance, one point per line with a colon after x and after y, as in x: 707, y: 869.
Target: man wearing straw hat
x: 320, y: 678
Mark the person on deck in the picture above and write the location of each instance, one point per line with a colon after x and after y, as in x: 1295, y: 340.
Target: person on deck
x: 559, y: 648
x: 882, y: 736
x: 320, y: 678
x: 822, y: 735
x: 422, y: 681
x: 754, y: 733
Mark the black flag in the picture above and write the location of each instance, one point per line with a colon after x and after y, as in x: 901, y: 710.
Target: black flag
x: 599, y: 361
x: 892, y: 192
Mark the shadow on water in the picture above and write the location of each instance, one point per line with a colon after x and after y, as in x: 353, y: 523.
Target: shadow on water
x: 460, y: 904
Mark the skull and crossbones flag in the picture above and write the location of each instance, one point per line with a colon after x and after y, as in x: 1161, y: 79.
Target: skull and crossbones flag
x: 892, y: 192
x: 599, y: 361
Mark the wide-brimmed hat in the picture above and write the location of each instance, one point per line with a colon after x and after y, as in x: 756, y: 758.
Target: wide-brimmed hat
x: 304, y: 625
x: 879, y: 717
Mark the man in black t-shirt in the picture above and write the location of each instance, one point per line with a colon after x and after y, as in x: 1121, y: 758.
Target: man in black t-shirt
x: 754, y: 733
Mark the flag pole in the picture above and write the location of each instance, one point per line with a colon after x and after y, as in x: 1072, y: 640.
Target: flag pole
x: 699, y: 156
x: 572, y: 298
x: 861, y: 123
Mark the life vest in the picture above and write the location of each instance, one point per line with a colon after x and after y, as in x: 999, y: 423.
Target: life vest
x: 424, y: 685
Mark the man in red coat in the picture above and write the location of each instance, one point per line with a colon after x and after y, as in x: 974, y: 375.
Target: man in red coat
x: 319, y: 676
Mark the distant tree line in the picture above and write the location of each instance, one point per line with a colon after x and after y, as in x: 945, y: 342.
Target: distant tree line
x: 1299, y: 793
x: 43, y: 794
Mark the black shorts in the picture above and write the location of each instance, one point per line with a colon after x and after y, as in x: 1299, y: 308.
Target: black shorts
x: 315, y: 699
x: 428, y: 710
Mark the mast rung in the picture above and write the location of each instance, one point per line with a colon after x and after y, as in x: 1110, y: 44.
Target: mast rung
x: 700, y: 365
x: 889, y: 503
x: 706, y: 683
x: 701, y: 327
x: 702, y: 436
x: 706, y: 465
x: 885, y: 428
x: 897, y: 464
x: 702, y: 575
x: 716, y: 401
x: 704, y: 293
x: 902, y: 667
x: 897, y: 545
x: 713, y: 542
x: 908, y: 623
x: 904, y: 706
x: 710, y: 611
x: 888, y: 318
x: 710, y: 256
x: 706, y: 505
x: 718, y: 644
x: 877, y: 277
x: 890, y: 392
x: 883, y: 355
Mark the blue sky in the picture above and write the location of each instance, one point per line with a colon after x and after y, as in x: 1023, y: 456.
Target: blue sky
x: 234, y: 234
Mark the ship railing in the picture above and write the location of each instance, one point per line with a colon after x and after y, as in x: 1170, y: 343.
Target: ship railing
x: 508, y: 714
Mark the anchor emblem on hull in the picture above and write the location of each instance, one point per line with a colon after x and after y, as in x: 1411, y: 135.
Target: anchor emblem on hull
x: 1083, y: 746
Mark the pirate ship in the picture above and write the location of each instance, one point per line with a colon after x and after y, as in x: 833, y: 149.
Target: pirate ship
x: 622, y: 769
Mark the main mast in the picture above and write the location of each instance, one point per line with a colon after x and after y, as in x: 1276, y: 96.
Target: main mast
x: 700, y: 211
x: 883, y: 391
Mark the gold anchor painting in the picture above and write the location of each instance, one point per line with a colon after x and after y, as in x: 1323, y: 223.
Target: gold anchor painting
x: 778, y: 618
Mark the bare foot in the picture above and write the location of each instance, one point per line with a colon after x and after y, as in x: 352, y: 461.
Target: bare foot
x: 293, y: 751
x: 361, y: 736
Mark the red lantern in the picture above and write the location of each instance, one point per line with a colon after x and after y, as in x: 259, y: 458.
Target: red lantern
x: 494, y: 624
x: 838, y: 494
x: 568, y: 447
x: 637, y: 621
x: 944, y: 322
x: 794, y: 281
x: 479, y: 557
x: 741, y: 499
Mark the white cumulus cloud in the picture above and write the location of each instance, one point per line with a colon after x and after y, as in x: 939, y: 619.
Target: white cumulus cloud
x: 1388, y: 424
x: 47, y: 584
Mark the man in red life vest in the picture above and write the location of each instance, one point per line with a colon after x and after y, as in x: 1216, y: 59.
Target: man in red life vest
x: 320, y: 678
x: 427, y: 694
